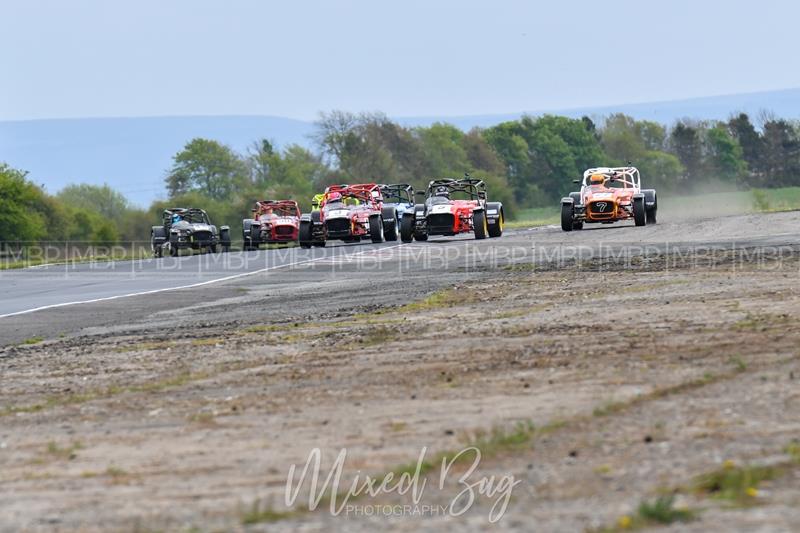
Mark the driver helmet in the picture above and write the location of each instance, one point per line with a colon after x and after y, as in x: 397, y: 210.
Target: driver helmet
x: 176, y: 218
x: 597, y: 179
x: 335, y: 197
x: 443, y: 191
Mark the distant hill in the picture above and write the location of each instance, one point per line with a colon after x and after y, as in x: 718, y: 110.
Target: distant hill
x: 132, y: 154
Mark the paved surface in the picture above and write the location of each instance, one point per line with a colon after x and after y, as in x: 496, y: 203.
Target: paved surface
x: 63, y: 299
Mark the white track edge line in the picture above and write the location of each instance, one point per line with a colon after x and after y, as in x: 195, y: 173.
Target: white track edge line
x: 191, y: 286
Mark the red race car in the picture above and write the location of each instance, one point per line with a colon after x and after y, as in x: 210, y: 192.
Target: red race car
x: 452, y: 207
x: 347, y: 213
x: 273, y: 222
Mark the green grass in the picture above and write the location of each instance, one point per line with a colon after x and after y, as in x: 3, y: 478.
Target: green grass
x: 259, y: 514
x: 658, y: 512
x: 737, y: 484
x: 536, y: 216
x: 441, y: 299
x: 8, y: 263
x: 33, y: 340
x: 662, y: 511
x: 66, y: 453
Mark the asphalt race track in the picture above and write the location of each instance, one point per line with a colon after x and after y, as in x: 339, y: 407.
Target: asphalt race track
x: 65, y: 299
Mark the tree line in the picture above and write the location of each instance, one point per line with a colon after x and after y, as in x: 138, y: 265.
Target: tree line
x: 528, y: 162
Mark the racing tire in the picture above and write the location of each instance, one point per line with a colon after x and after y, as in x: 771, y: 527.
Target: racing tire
x: 158, y: 249
x: 567, y: 217
x: 304, y: 235
x: 376, y: 228
x: 212, y: 248
x: 225, y: 240
x: 407, y: 228
x: 320, y: 244
x: 496, y: 229
x: 479, y: 224
x: 421, y: 237
x: 639, y: 212
x: 390, y: 229
x: 650, y: 215
x: 577, y: 225
x: 173, y: 250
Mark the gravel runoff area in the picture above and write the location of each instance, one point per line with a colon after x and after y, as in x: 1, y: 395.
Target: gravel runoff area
x: 591, y: 386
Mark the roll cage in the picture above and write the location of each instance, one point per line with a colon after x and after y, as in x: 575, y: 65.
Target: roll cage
x: 628, y: 177
x: 192, y: 215
x: 284, y: 208
x: 471, y: 188
x: 398, y: 193
x: 369, y: 193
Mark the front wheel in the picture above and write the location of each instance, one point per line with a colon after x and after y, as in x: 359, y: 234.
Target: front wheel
x: 567, y: 216
x: 304, y: 235
x: 407, y: 228
x: 376, y: 228
x: 479, y: 224
x: 639, y: 212
x: 390, y: 224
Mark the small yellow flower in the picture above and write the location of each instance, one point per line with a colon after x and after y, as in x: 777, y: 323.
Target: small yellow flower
x: 728, y: 464
x: 752, y: 492
x: 624, y: 522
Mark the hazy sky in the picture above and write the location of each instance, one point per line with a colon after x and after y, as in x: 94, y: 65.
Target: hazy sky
x: 77, y: 58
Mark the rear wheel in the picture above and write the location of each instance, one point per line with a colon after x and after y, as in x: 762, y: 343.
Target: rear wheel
x: 212, y: 248
x: 567, y: 217
x: 225, y: 240
x: 173, y: 250
x: 376, y: 228
x: 496, y: 229
x: 419, y: 236
x: 304, y: 235
x: 639, y: 212
x: 407, y: 228
x: 479, y: 224
x: 651, y: 215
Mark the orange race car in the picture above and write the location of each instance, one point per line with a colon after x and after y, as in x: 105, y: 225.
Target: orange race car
x: 608, y: 195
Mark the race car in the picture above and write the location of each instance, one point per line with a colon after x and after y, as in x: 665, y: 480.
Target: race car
x: 398, y: 198
x: 347, y: 213
x: 452, y: 207
x: 187, y: 228
x: 609, y: 195
x: 273, y: 222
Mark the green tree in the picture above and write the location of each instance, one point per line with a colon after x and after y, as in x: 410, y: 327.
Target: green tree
x: 207, y: 166
x: 725, y: 156
x: 687, y: 146
x: 22, y: 207
x: 101, y: 199
x: 781, y: 153
x: 751, y: 142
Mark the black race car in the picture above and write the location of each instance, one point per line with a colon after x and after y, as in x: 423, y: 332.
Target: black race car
x: 188, y: 228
